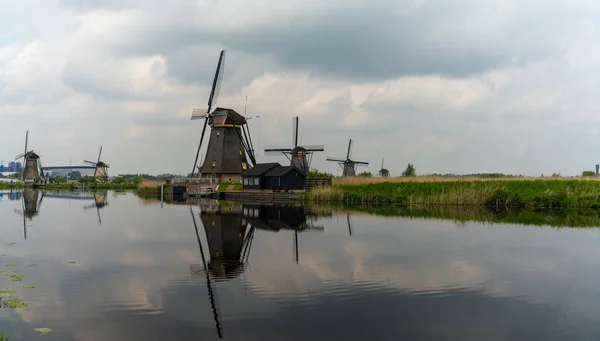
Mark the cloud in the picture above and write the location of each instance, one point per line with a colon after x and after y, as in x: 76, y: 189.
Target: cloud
x: 463, y: 87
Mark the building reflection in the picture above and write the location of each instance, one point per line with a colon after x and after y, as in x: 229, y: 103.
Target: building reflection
x: 230, y: 229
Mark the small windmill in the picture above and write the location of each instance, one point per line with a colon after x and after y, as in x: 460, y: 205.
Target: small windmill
x: 384, y: 173
x: 30, y: 206
x: 348, y: 165
x: 101, y: 167
x: 100, y: 201
x: 230, y: 144
x: 299, y: 156
x: 31, y: 171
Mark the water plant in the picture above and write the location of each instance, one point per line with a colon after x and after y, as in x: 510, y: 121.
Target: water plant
x: 8, y: 243
x: 15, y: 277
x: 32, y: 265
x: 11, y: 264
x: 72, y: 262
x: 29, y: 286
x: 7, y: 291
x: 42, y: 330
x: 15, y: 302
x: 4, y: 338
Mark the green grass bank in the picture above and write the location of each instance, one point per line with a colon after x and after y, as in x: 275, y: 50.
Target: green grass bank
x: 531, y: 194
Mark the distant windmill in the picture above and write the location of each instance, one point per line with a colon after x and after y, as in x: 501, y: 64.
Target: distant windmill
x: 100, y: 201
x: 101, y: 167
x: 348, y: 165
x: 229, y: 145
x: 31, y: 171
x: 299, y: 156
x: 30, y: 206
x: 384, y: 173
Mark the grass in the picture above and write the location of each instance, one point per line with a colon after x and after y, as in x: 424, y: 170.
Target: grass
x: 528, y: 193
x: 4, y: 338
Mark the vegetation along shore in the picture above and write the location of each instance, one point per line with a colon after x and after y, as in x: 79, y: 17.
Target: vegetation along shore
x: 531, y: 193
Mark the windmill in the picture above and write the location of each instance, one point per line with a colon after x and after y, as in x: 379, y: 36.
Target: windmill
x: 229, y: 145
x: 384, y: 173
x: 101, y: 167
x: 299, y: 156
x: 31, y: 171
x: 348, y: 165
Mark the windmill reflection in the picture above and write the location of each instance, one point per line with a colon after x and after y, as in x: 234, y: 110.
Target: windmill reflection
x: 100, y: 201
x: 30, y: 205
x: 230, y: 230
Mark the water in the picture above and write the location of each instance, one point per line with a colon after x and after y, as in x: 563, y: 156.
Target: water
x: 139, y: 274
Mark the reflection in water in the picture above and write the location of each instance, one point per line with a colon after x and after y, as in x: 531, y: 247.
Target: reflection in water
x: 259, y: 273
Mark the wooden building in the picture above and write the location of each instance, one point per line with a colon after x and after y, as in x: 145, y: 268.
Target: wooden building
x: 273, y: 176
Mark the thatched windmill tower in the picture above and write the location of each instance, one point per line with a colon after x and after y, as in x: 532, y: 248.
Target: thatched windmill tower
x: 32, y: 171
x: 229, y: 145
x: 348, y: 165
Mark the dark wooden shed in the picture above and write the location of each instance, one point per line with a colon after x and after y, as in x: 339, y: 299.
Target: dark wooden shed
x: 285, y: 178
x: 254, y: 177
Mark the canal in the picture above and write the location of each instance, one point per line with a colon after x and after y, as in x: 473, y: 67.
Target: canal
x: 112, y: 266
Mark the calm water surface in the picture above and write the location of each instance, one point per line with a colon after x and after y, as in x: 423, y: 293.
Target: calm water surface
x: 139, y: 274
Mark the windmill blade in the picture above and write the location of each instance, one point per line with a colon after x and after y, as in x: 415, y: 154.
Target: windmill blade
x: 100, y: 154
x: 279, y: 150
x: 349, y: 226
x: 216, y: 86
x: 381, y: 163
x: 295, y: 131
x: 314, y: 148
x: 19, y: 212
x: 349, y: 155
x: 252, y: 117
x: 360, y: 162
x: 199, y: 146
x: 20, y: 156
x: 26, y: 141
x: 90, y: 206
x: 199, y: 114
x: 90, y: 162
x: 336, y: 159
x: 106, y: 165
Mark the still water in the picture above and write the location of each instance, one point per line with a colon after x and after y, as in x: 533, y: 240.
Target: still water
x: 112, y: 267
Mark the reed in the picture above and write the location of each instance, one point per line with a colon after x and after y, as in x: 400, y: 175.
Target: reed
x: 530, y: 193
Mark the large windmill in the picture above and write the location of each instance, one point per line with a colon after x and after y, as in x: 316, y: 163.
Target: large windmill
x: 348, y: 165
x: 101, y: 167
x: 229, y: 145
x: 384, y: 173
x: 31, y: 172
x: 299, y: 156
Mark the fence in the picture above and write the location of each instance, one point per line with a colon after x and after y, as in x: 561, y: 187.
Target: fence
x: 317, y: 182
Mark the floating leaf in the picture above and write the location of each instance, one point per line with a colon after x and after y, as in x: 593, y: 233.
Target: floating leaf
x: 11, y: 264
x: 8, y: 243
x: 15, y: 302
x: 7, y: 291
x: 71, y: 262
x: 32, y: 265
x: 29, y: 286
x: 3, y: 255
x: 43, y: 330
x: 15, y: 277
x: 16, y: 271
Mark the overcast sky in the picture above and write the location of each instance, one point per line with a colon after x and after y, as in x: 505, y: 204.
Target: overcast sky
x: 458, y: 86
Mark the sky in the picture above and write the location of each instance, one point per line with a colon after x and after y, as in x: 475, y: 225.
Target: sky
x: 462, y: 86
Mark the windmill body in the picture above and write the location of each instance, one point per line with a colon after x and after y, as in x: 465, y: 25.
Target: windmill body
x: 384, y: 173
x: 32, y: 171
x: 348, y: 165
x: 226, y: 158
x: 101, y: 170
x: 230, y: 151
x: 299, y: 156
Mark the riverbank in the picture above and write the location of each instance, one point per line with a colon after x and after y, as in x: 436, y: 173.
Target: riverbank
x: 70, y: 186
x: 531, y: 194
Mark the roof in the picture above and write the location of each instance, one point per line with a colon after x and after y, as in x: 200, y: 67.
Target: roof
x: 260, y: 169
x: 282, y: 170
x: 233, y: 117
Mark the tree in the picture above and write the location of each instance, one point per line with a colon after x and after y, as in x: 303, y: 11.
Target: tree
x: 315, y: 173
x: 119, y: 180
x: 409, y: 171
x: 365, y: 174
x: 137, y: 179
x: 588, y: 173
